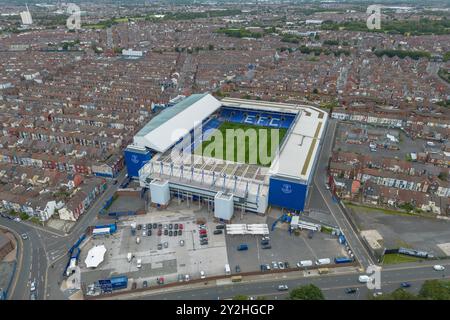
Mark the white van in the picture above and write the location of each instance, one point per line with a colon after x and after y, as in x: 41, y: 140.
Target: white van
x: 139, y: 263
x: 322, y: 262
x: 227, y: 269
x: 306, y: 263
x: 138, y: 240
x: 364, y: 278
x: 129, y: 256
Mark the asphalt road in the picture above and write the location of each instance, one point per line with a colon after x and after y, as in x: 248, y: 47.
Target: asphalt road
x: 46, y: 247
x: 320, y: 177
x: 333, y: 286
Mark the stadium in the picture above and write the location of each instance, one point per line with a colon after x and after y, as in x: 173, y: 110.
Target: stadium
x: 178, y: 154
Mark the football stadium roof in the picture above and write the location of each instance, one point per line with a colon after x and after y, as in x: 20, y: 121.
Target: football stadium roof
x: 175, y: 122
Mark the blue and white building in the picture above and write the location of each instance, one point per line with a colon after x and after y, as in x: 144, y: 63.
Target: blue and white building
x: 156, y: 155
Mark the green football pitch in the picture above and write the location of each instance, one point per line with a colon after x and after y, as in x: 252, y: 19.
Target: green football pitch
x: 248, y: 138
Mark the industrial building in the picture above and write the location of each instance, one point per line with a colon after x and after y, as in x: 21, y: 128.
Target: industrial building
x: 162, y: 156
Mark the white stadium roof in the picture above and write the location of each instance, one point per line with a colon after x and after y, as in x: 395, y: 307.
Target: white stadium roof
x: 174, y: 123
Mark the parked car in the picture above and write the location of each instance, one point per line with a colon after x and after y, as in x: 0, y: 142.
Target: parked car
x: 220, y: 226
x: 286, y: 265
x: 204, y: 242
x: 166, y: 232
x: 149, y: 226
x: 166, y: 226
x: 144, y: 227
x: 265, y: 238
x: 180, y: 278
x: 160, y: 226
x: 175, y: 233
x: 134, y: 286
x: 202, y: 236
x: 202, y: 226
x: 166, y: 244
x: 159, y: 232
x: 181, y: 243
x: 283, y: 287
x: 264, y: 242
x: 187, y: 277
x: 33, y: 296
x: 237, y: 269
x: 170, y: 226
x: 170, y: 233
x: 263, y: 267
x: 274, y: 265
x: 203, y: 231
x: 267, y: 266
x: 144, y: 233
x: 175, y: 226
x: 139, y: 226
x: 202, y: 274
x: 281, y: 265
x: 242, y: 247
x: 155, y: 226
x: 24, y: 236
x: 180, y: 226
x: 160, y: 246
x: 149, y: 232
x: 217, y: 232
x: 268, y: 246
x: 144, y: 284
x: 180, y: 232
x: 350, y: 290
x: 33, y: 286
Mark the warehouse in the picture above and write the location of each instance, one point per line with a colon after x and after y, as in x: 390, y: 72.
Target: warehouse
x: 159, y: 155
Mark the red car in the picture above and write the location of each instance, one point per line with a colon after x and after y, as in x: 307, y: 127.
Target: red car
x: 180, y: 226
x: 159, y: 232
x: 202, y: 231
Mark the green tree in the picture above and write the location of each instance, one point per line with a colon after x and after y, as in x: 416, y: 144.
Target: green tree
x: 308, y: 292
x: 435, y: 290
